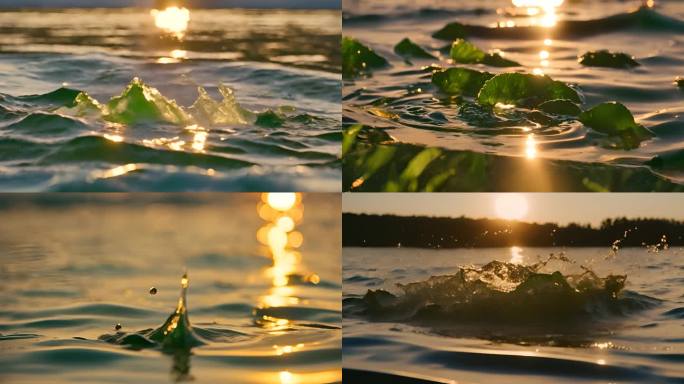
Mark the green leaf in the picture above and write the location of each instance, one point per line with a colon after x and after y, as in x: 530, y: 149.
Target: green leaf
x: 604, y: 58
x: 451, y: 31
x: 349, y: 138
x: 357, y: 59
x: 560, y: 107
x: 524, y: 90
x: 615, y: 120
x: 465, y: 52
x: 460, y: 80
x: 408, y: 49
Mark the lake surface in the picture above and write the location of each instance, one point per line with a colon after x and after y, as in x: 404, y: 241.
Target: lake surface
x: 73, y: 267
x: 220, y: 99
x: 634, y: 339
x: 502, y: 151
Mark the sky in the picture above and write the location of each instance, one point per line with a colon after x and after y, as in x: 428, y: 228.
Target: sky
x: 559, y: 208
x: 304, y: 4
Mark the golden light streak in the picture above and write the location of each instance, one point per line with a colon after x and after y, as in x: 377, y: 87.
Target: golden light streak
x: 119, y: 171
x: 531, y: 147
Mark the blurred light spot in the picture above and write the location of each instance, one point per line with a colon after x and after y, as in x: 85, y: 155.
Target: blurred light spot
x: 172, y: 20
x: 531, y: 146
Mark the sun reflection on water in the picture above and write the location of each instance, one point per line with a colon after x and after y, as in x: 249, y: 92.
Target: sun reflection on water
x: 173, y: 20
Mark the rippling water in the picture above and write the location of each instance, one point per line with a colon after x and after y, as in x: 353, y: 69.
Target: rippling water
x: 505, y: 152
x: 281, y: 67
x: 73, y: 267
x: 634, y: 337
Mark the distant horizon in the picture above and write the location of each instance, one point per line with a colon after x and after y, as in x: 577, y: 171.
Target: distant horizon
x: 197, y: 4
x: 522, y: 221
x: 559, y: 208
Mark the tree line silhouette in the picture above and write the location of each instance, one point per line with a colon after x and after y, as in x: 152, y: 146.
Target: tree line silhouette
x: 463, y: 232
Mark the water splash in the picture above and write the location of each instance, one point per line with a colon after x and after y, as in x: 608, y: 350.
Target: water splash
x: 505, y: 293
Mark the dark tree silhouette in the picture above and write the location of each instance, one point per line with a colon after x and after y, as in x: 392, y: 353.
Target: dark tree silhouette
x: 462, y: 232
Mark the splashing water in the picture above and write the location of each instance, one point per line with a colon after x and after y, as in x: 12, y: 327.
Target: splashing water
x: 505, y: 293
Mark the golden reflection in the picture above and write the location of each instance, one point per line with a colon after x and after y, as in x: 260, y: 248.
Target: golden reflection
x: 531, y: 147
x: 119, y: 171
x: 175, y: 56
x: 173, y: 20
x: 282, y: 212
x: 199, y: 138
x: 289, y: 377
x: 541, y: 12
x: 650, y: 3
x: 114, y: 138
x: 516, y: 255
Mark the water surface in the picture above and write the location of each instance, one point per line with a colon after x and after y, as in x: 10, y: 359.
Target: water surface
x: 279, y: 128
x: 630, y: 338
x: 504, y: 152
x: 73, y: 267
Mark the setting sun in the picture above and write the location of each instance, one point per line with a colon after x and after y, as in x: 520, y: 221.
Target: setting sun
x: 510, y: 206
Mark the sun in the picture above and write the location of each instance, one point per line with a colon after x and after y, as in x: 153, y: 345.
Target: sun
x: 510, y: 206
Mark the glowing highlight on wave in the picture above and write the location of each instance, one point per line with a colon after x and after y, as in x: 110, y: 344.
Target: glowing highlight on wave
x: 173, y: 20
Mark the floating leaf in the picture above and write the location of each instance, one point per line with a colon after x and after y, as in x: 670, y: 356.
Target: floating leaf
x: 604, y: 58
x: 615, y: 120
x: 560, y: 107
x: 524, y: 89
x: 358, y: 59
x: 671, y: 160
x: 460, y: 80
x: 451, y: 31
x: 463, y: 51
x: 409, y: 49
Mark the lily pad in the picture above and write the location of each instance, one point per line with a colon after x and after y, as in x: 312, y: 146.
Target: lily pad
x: 358, y: 59
x: 524, y: 90
x: 408, y: 49
x: 451, y: 31
x: 604, y: 58
x: 460, y: 80
x: 463, y: 51
x: 615, y: 120
x: 560, y: 107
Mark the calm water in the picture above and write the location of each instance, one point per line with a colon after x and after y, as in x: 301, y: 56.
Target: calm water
x: 636, y: 341
x: 514, y: 153
x: 275, y: 125
x: 75, y: 266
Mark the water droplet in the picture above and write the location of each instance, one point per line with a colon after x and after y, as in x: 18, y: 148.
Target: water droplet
x: 153, y: 291
x: 117, y: 326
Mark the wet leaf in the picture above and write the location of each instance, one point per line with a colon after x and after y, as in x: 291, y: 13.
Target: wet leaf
x: 604, y: 58
x: 349, y: 138
x: 524, y: 90
x: 357, y: 59
x: 615, y: 120
x: 408, y: 49
x: 451, y: 31
x: 560, y: 107
x: 460, y: 80
x: 465, y: 52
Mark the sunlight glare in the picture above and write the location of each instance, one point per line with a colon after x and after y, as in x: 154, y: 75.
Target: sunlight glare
x: 531, y: 147
x: 510, y: 206
x: 173, y: 20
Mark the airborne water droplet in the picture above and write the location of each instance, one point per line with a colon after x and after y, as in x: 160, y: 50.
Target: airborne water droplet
x: 153, y: 291
x: 117, y: 326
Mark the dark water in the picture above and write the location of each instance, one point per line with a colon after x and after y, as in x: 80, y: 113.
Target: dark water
x: 73, y: 267
x: 234, y: 100
x: 513, y: 315
x: 457, y: 147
